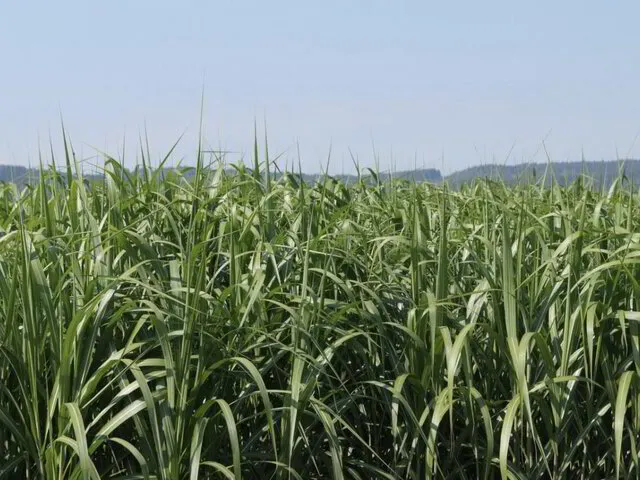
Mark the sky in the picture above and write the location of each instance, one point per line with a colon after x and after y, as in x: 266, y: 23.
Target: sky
x: 397, y: 84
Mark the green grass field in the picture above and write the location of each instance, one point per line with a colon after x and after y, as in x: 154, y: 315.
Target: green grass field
x: 233, y: 326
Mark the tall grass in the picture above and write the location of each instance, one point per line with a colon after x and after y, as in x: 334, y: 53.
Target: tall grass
x: 219, y: 325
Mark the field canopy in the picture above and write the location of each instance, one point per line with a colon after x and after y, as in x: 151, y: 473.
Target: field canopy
x: 202, y: 324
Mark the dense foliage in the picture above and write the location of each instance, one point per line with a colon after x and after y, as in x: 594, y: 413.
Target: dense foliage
x: 233, y: 326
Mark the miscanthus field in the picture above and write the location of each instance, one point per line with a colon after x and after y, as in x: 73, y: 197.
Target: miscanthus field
x: 217, y: 323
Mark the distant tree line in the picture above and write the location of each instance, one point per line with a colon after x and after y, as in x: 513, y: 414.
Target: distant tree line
x: 597, y: 174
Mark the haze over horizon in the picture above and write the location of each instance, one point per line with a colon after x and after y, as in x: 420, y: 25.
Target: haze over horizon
x: 436, y: 86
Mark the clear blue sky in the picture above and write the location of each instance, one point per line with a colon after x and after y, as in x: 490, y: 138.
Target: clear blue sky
x: 441, y: 84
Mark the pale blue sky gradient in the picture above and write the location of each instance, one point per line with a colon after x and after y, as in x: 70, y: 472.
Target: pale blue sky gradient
x: 439, y: 84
